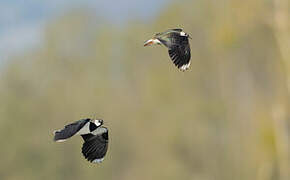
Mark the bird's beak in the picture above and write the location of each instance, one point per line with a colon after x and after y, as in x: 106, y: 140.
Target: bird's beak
x: 189, y: 37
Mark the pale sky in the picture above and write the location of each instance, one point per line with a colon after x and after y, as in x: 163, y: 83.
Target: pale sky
x: 22, y: 21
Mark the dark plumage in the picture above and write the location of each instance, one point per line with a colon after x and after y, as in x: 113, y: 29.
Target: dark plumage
x: 178, y: 46
x: 95, y: 147
x: 95, y: 138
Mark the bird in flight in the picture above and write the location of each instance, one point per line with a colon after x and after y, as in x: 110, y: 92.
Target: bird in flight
x: 95, y: 137
x: 178, y: 46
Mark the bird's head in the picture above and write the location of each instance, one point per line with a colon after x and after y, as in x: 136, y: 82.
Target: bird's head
x: 185, y: 34
x: 99, y: 122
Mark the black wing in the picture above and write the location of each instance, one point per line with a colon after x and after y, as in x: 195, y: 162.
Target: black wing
x: 95, y: 146
x: 176, y: 29
x: 69, y: 130
x: 168, y: 32
x: 180, y: 55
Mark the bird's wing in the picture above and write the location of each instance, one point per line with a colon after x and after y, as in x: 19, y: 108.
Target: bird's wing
x: 69, y: 130
x: 165, y: 33
x: 95, y: 146
x: 176, y: 29
x: 180, y: 55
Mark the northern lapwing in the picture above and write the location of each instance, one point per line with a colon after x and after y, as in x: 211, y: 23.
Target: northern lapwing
x: 178, y: 46
x: 95, y: 137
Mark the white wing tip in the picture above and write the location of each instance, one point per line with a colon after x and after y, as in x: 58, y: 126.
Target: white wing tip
x: 185, y: 66
x: 98, y: 160
x: 151, y: 42
x: 60, y: 140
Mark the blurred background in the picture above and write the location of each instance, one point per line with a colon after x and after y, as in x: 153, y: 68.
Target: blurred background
x: 227, y: 118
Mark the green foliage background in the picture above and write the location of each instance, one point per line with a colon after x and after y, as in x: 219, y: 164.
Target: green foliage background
x: 226, y: 118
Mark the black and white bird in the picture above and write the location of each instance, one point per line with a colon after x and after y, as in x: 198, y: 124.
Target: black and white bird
x: 95, y: 137
x: 178, y: 46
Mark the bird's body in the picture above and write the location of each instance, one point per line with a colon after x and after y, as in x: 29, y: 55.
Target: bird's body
x: 178, y: 46
x: 95, y: 137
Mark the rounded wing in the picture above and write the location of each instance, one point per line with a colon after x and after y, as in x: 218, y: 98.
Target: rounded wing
x: 180, y: 55
x: 95, y: 146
